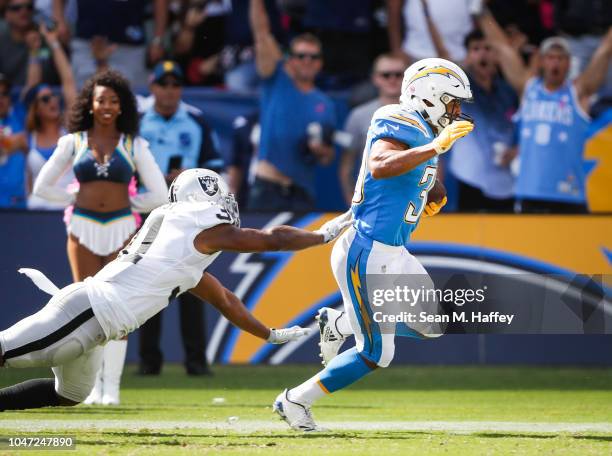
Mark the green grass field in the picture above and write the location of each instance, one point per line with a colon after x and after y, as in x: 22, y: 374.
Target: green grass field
x: 483, y: 410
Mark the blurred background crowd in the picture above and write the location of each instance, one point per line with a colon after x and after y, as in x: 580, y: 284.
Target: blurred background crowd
x: 539, y: 69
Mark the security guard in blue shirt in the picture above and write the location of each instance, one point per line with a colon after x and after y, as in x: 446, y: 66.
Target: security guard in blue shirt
x: 179, y: 139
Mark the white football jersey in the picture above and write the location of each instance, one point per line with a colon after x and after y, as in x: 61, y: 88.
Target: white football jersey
x: 159, y: 263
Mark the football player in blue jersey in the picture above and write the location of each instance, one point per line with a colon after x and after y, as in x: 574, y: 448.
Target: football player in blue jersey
x: 398, y: 170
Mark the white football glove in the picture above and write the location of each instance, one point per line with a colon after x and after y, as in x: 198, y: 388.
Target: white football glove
x: 284, y: 335
x: 333, y: 228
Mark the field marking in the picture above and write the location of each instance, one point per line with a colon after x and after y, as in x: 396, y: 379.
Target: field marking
x: 257, y: 426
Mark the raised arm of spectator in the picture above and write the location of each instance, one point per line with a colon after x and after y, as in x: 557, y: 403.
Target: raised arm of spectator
x: 436, y: 38
x: 394, y: 27
x: 63, y: 31
x: 160, y: 17
x: 184, y: 40
x: 267, y: 50
x: 510, y: 61
x: 593, y: 76
x: 34, y: 70
x: 62, y: 65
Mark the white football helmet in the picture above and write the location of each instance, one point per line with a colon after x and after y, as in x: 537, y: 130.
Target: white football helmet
x: 429, y: 85
x: 201, y: 185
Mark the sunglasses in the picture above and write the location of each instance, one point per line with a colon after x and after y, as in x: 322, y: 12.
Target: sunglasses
x: 173, y: 84
x: 45, y: 98
x: 4, y: 94
x: 20, y: 6
x: 305, y: 56
x: 391, y: 74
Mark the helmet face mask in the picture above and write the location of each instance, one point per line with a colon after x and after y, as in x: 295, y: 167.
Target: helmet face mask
x: 449, y: 117
x: 203, y: 185
x: 433, y: 87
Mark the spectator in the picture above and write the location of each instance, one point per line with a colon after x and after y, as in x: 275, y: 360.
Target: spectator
x: 12, y: 167
x: 104, y: 151
x: 18, y: 44
x: 238, y: 53
x: 552, y: 120
x: 45, y: 120
x: 387, y: 75
x: 200, y: 41
x: 179, y: 139
x: 216, y: 45
x: 584, y: 24
x: 120, y: 24
x: 481, y: 162
x: 533, y: 18
x: 243, y: 156
x: 454, y: 23
x: 344, y: 28
x: 296, y: 119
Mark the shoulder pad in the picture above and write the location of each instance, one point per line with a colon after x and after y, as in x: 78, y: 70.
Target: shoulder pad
x: 397, y: 114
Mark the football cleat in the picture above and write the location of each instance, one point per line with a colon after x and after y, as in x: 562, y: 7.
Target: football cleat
x: 296, y: 415
x: 330, y: 338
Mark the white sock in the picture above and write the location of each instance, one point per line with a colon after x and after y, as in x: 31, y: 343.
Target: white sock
x: 95, y: 397
x: 114, y: 359
x: 307, y: 392
x: 344, y: 325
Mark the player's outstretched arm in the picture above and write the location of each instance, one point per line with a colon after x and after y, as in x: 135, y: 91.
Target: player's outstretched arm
x: 231, y: 307
x: 229, y: 238
x: 390, y: 157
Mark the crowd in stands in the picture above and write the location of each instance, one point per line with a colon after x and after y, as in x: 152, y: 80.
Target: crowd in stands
x: 539, y: 71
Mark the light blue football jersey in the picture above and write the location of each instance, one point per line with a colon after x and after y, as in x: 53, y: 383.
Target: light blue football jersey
x: 388, y: 210
x: 553, y: 130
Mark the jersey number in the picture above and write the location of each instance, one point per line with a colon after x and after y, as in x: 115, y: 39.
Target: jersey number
x: 428, y: 180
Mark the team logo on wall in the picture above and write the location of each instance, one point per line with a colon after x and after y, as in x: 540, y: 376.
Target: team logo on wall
x: 209, y: 185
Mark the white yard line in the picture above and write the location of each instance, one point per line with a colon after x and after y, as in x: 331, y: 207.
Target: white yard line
x: 255, y: 426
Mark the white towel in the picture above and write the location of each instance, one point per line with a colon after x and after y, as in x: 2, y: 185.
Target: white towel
x: 40, y: 280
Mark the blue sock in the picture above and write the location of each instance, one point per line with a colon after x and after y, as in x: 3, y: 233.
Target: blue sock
x: 343, y: 370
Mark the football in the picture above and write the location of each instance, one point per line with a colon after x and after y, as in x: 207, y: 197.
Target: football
x: 437, y: 192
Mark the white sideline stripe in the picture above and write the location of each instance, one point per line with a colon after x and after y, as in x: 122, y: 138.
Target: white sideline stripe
x: 256, y: 426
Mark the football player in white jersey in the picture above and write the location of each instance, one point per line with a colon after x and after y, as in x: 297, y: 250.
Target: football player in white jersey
x: 167, y: 257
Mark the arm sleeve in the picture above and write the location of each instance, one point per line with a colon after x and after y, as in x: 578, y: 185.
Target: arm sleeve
x: 46, y: 183
x: 152, y: 178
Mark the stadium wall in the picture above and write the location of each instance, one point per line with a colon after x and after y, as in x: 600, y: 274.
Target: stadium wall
x: 286, y: 288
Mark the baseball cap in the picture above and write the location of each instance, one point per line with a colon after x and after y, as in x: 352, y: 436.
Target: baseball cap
x: 555, y: 41
x: 164, y: 68
x: 32, y: 93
